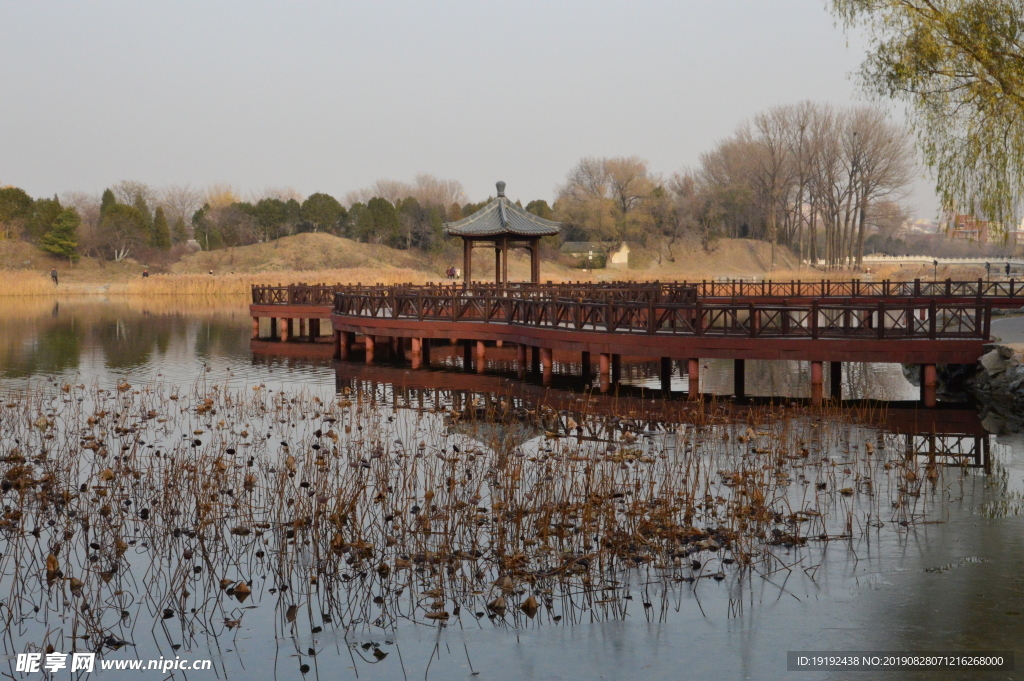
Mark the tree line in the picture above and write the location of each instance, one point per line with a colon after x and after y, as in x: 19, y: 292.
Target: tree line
x: 815, y: 178
x: 812, y: 177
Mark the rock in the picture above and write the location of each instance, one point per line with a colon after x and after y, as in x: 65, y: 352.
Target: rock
x: 993, y: 362
x: 1005, y: 352
x: 994, y: 424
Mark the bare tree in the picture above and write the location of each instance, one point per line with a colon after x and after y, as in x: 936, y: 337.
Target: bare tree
x: 180, y: 202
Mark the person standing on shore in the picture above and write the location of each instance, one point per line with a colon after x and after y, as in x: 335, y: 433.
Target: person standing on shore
x: 53, y: 275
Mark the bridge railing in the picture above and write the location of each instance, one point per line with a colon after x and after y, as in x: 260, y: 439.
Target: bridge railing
x: 917, y: 288
x: 658, y: 292
x: 323, y: 294
x: 906, y: 319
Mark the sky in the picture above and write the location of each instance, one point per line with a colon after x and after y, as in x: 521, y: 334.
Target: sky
x: 331, y: 96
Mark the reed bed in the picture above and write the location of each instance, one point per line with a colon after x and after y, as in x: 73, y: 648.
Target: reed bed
x: 185, y: 516
x: 31, y: 283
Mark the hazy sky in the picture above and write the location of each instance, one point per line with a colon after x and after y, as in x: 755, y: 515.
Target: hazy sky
x: 330, y: 96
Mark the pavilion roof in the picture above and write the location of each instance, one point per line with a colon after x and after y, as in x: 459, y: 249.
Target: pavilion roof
x: 501, y: 217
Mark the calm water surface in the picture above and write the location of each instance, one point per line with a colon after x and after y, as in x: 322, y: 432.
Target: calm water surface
x: 955, y: 582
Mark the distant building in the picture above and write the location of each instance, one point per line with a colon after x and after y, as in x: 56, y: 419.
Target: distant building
x: 594, y: 254
x: 969, y: 228
x: 620, y: 257
x: 581, y: 248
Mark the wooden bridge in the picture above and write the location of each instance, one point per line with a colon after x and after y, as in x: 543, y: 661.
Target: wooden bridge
x: 925, y: 323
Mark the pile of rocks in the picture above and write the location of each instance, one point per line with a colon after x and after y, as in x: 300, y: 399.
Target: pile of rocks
x: 998, y: 386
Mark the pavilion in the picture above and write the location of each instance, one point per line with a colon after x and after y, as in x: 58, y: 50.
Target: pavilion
x: 502, y: 225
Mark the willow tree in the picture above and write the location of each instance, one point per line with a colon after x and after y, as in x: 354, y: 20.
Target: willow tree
x: 959, y: 64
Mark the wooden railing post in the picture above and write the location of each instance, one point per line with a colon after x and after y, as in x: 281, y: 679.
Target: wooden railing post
x: 881, y: 320
x: 814, y: 320
x: 933, y: 322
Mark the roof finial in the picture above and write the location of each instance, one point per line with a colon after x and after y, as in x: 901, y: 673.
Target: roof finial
x: 501, y: 187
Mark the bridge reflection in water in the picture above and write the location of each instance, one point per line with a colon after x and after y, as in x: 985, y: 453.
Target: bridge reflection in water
x: 949, y: 434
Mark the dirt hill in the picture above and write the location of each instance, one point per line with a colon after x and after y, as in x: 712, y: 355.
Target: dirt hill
x: 302, y: 252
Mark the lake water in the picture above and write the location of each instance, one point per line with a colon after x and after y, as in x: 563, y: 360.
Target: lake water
x: 939, y: 567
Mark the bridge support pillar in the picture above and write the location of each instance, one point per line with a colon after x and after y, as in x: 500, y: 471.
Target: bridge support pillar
x: 397, y: 348
x: 547, y: 363
x: 928, y: 381
x: 835, y: 380
x: 616, y: 368
x: 666, y: 377
x: 273, y: 328
x: 481, y: 357
x: 417, y: 353
x: 467, y: 355
x: 521, y: 361
x: 534, y: 360
x: 604, y: 368
x: 314, y: 330
x: 739, y: 378
x: 285, y: 327
x: 369, y: 343
x: 425, y: 349
x: 585, y: 366
x: 303, y: 327
x: 693, y: 378
x: 255, y: 328
x: 337, y: 342
x: 816, y: 383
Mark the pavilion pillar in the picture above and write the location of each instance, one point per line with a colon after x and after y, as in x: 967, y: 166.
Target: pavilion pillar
x: 481, y: 357
x: 504, y: 261
x: 816, y: 381
x: 739, y: 378
x: 693, y: 378
x: 836, y: 380
x: 666, y: 376
x: 497, y: 263
x: 255, y: 328
x: 521, y: 361
x: 604, y: 371
x: 467, y: 261
x: 535, y: 261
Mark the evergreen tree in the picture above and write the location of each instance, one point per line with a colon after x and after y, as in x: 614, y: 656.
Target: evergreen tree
x: 44, y: 214
x: 323, y: 212
x: 15, y: 209
x: 161, y: 237
x: 178, y: 232
x: 107, y: 202
x: 62, y: 237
